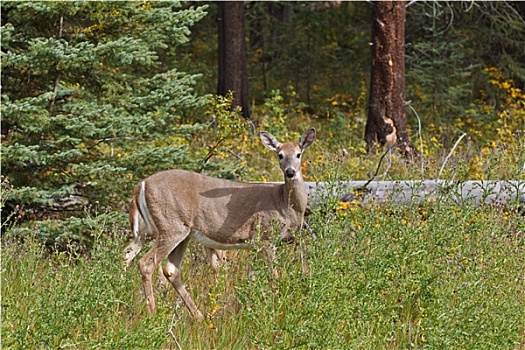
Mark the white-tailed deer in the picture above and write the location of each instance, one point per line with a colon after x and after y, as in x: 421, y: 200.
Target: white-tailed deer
x: 179, y: 205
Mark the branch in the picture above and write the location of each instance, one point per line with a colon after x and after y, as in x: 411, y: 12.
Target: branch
x: 450, y: 153
x: 410, y: 3
x: 379, y: 165
x: 420, y: 136
x: 212, y: 151
x: 515, y: 12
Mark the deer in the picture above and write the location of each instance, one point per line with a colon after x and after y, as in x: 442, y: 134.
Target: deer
x: 177, y: 206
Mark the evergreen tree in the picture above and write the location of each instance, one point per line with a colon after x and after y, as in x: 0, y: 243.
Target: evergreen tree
x: 438, y: 64
x: 92, y: 100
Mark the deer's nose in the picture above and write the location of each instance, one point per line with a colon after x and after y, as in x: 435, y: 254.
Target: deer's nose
x: 289, y: 173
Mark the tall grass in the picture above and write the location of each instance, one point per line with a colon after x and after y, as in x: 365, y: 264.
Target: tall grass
x: 433, y: 276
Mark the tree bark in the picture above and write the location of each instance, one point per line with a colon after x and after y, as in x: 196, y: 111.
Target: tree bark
x: 386, y: 122
x: 232, y: 55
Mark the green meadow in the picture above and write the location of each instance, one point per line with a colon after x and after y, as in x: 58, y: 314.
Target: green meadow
x: 430, y: 276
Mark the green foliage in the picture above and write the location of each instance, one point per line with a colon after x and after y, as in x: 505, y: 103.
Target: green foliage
x: 438, y: 70
x: 94, y: 102
x: 225, y: 139
x: 308, y: 51
x: 453, y: 49
x: 75, y: 232
x: 74, y: 301
x: 375, y: 277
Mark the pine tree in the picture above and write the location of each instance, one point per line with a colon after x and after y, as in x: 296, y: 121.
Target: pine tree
x: 92, y: 101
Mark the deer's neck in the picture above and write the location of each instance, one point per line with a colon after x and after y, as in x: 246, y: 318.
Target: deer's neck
x: 294, y: 194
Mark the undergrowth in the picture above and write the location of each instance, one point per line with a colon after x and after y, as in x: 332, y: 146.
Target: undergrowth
x: 373, y: 277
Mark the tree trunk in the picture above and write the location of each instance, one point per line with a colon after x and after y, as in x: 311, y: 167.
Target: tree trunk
x: 232, y: 54
x: 386, y: 122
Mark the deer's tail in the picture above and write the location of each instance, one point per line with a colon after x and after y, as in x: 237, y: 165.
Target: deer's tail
x: 143, y: 210
x: 134, y: 218
x: 141, y: 223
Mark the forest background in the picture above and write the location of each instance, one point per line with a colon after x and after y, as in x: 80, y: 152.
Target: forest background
x: 98, y: 95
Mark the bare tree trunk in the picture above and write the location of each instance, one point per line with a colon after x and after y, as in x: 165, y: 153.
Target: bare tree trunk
x: 386, y: 122
x: 232, y: 54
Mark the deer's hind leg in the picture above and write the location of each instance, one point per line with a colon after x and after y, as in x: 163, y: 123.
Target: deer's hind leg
x: 172, y: 273
x: 147, y: 264
x: 216, y: 258
x: 131, y: 251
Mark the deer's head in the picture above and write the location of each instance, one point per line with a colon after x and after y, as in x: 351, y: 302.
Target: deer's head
x: 289, y: 153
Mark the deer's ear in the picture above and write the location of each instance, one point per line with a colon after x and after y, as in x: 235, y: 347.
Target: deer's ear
x: 269, y: 141
x: 307, y: 139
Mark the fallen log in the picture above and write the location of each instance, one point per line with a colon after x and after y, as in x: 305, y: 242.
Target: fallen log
x: 410, y: 191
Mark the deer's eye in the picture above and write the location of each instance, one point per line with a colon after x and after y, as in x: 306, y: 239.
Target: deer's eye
x: 281, y: 156
x: 298, y: 155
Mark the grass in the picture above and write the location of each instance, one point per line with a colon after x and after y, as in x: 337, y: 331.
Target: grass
x: 433, y: 276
